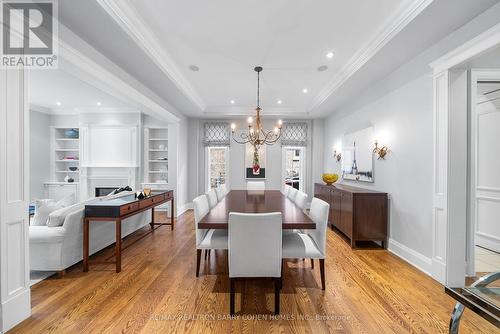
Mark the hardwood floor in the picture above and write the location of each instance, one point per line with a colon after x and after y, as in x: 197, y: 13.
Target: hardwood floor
x: 367, y: 291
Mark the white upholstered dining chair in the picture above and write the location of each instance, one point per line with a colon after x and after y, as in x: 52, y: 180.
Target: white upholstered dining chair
x: 255, y: 249
x: 256, y: 185
x: 301, y: 200
x: 312, y: 243
x: 206, y: 239
x: 225, y: 189
x: 212, y: 198
x: 220, y: 193
x: 292, y: 193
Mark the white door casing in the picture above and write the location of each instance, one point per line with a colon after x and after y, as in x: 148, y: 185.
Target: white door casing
x: 14, y: 195
x: 450, y: 184
x: 484, y: 229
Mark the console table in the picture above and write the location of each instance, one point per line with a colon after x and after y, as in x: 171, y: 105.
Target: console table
x: 117, y: 209
x: 360, y: 214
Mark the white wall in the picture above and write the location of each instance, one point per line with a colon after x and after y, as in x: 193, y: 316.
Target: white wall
x: 402, y: 120
x: 39, y: 153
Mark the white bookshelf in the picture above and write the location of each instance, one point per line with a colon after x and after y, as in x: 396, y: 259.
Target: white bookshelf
x: 156, y: 155
x: 155, y: 161
x: 65, y: 155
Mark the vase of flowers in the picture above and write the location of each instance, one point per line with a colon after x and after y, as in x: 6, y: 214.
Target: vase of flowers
x: 256, y: 165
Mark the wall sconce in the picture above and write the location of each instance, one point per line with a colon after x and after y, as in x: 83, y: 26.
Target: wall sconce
x: 380, y: 151
x: 337, y: 156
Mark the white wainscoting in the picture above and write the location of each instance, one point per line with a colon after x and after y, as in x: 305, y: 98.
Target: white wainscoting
x: 14, y: 195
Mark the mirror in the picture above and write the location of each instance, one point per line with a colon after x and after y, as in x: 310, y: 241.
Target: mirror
x: 357, y: 155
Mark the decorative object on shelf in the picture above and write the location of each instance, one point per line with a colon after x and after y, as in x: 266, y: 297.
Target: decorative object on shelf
x: 146, y: 191
x: 255, y: 162
x: 161, y: 147
x: 70, y: 157
x: 256, y: 135
x: 69, y: 179
x: 337, y: 155
x: 330, y: 179
x: 380, y: 151
x: 357, y: 156
x: 72, y: 134
x: 73, y: 168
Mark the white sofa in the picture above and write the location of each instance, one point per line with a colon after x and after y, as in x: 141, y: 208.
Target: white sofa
x: 57, y: 248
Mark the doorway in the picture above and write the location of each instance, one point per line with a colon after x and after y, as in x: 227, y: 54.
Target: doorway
x: 484, y: 198
x: 293, y: 173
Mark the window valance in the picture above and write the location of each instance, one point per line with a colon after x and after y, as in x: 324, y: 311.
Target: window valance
x: 294, y: 134
x: 216, y: 134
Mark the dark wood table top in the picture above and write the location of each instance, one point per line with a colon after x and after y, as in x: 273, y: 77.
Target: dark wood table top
x: 256, y: 202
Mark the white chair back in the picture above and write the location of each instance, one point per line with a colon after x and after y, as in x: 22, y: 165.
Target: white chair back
x: 201, y: 208
x: 301, y: 200
x: 256, y: 185
x: 212, y: 198
x: 319, y: 215
x: 286, y: 189
x: 225, y: 189
x: 220, y: 193
x: 292, y: 193
x: 255, y: 245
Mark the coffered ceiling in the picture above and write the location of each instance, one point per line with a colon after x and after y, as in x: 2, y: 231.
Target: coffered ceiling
x: 199, y: 55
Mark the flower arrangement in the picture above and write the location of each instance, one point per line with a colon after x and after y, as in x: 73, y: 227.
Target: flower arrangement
x: 256, y: 166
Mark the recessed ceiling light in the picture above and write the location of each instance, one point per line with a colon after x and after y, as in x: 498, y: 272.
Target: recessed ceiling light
x: 99, y: 104
x: 304, y: 90
x: 329, y: 55
x: 279, y: 102
x: 58, y: 103
x: 322, y: 68
x: 232, y: 101
x: 194, y: 68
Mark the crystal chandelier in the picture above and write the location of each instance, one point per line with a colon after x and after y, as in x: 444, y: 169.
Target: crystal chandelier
x: 256, y: 135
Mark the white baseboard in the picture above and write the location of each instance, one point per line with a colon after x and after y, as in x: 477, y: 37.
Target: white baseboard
x: 184, y: 208
x: 15, y: 310
x: 488, y: 241
x: 420, y: 261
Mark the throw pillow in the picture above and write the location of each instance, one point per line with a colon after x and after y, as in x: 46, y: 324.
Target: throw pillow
x: 43, y: 210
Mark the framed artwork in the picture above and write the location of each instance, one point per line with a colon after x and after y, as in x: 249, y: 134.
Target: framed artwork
x: 255, y: 162
x: 357, y: 155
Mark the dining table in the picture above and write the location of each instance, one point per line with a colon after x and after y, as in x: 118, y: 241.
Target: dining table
x: 265, y: 201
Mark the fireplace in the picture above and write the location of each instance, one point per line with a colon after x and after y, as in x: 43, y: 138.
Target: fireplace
x: 103, y: 191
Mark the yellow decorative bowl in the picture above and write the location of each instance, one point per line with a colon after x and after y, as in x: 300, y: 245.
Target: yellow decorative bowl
x: 330, y: 178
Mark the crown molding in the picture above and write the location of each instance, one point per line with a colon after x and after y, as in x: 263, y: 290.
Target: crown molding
x: 41, y: 109
x: 479, y: 44
x: 389, y: 30
x: 134, y: 26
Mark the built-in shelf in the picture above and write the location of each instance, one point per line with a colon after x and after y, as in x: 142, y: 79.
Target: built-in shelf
x: 156, y: 150
x: 62, y: 147
x: 59, y: 183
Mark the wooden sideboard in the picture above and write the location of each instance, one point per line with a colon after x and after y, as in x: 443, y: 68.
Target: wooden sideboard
x: 360, y: 214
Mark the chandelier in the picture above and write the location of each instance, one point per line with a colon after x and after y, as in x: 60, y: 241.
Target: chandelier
x: 256, y: 135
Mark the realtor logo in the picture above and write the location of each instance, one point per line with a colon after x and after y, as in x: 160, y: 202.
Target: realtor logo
x: 28, y: 34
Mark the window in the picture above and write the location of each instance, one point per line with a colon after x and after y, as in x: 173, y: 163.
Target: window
x: 294, y: 167
x: 217, y: 161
